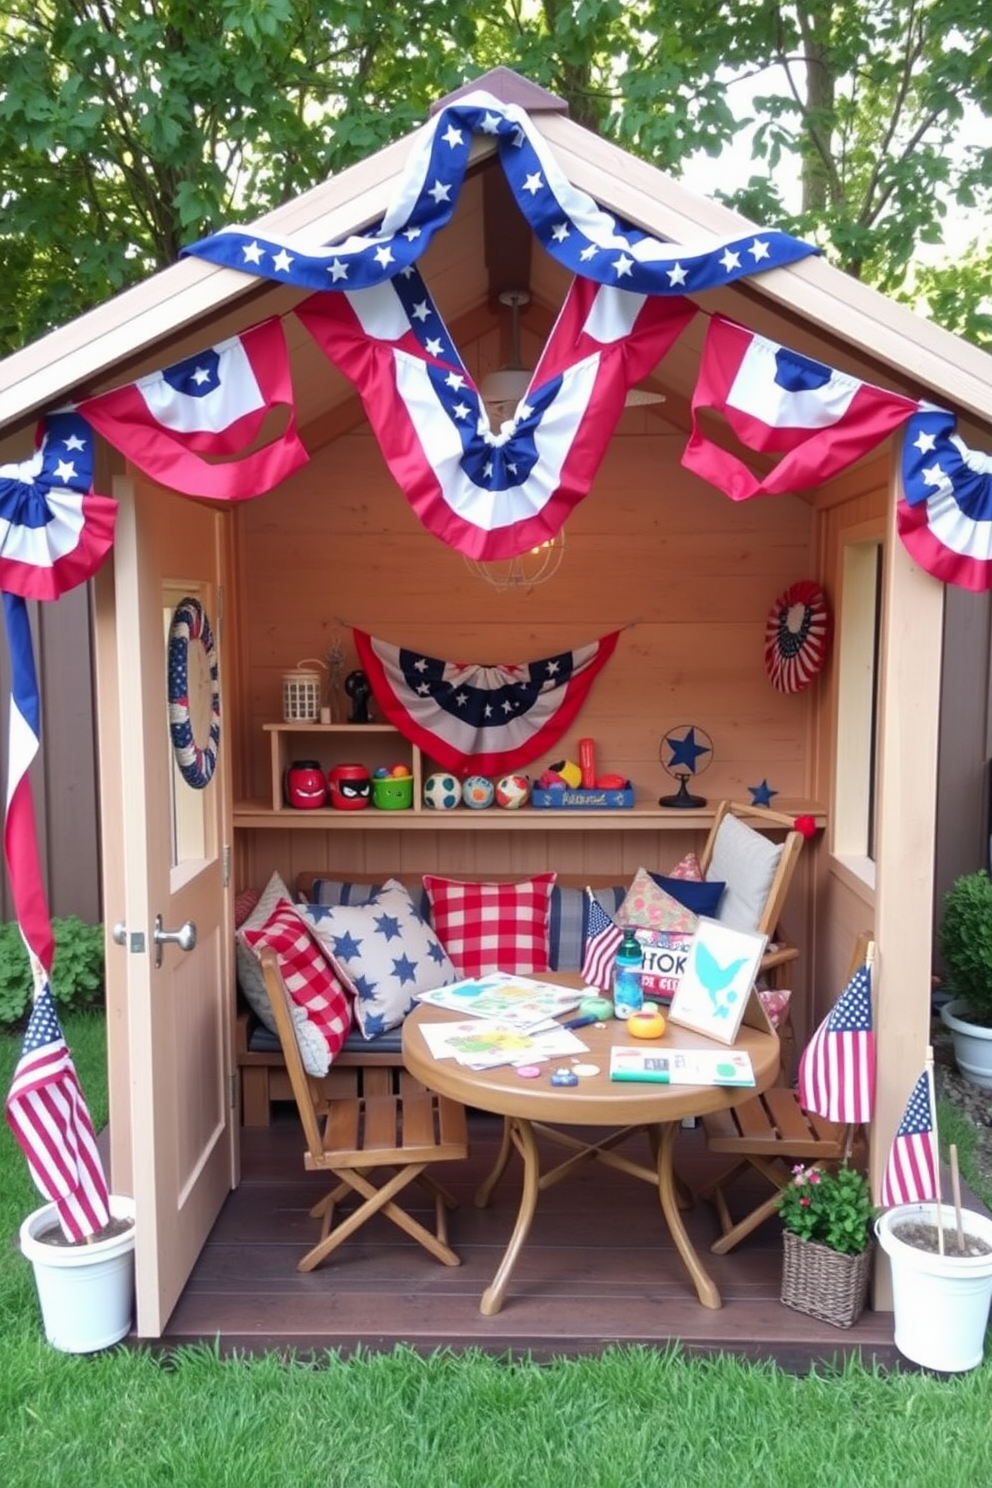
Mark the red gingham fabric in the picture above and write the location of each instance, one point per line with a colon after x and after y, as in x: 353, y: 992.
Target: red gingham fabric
x: 310, y: 981
x: 493, y: 926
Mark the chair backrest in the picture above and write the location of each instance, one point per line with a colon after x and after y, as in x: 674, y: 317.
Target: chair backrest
x: 769, y: 905
x: 310, y: 1101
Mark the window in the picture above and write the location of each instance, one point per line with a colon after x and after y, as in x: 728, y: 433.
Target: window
x: 857, y: 704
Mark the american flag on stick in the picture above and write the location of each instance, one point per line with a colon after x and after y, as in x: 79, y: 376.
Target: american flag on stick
x: 45, y: 1106
x: 837, y: 1069
x: 603, y: 937
x: 911, y: 1171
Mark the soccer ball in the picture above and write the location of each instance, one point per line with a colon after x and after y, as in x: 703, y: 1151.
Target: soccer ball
x: 442, y: 792
x: 478, y: 792
x: 512, y: 791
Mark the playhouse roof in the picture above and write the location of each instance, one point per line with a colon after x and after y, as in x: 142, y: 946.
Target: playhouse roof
x: 809, y: 305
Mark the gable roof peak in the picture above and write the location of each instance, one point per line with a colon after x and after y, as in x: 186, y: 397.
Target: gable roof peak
x: 509, y: 87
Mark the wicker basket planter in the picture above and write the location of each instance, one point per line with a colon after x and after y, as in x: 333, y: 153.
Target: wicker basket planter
x: 824, y: 1283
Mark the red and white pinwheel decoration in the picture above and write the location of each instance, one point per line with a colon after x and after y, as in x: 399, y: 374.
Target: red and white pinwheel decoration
x: 797, y: 636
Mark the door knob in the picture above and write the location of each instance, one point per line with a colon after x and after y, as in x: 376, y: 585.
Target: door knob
x: 184, y: 937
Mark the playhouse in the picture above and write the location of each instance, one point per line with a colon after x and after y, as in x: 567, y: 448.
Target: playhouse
x: 672, y: 576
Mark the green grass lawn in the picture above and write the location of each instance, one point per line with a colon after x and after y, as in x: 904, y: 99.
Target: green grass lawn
x: 631, y: 1417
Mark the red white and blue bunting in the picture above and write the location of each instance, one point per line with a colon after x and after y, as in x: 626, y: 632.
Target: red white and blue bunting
x: 470, y: 717
x: 492, y: 494
x: 54, y: 532
x: 945, y: 515
x: 566, y: 221
x: 776, y: 400
x: 214, y: 402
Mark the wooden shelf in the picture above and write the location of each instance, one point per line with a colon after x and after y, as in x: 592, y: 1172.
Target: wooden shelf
x: 646, y: 818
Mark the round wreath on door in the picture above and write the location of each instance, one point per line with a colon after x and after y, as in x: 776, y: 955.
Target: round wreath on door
x: 194, y: 744
x: 797, y: 636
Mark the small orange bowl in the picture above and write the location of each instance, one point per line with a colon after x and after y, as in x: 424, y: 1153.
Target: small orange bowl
x: 647, y: 1024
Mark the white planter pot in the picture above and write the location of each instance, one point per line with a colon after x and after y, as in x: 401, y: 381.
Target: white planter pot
x: 972, y: 1044
x: 86, y: 1292
x: 941, y: 1302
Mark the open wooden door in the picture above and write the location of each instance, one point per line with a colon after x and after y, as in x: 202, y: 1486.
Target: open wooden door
x: 173, y: 840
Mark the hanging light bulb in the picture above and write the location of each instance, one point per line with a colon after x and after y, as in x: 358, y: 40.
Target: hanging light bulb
x: 502, y: 390
x: 525, y: 571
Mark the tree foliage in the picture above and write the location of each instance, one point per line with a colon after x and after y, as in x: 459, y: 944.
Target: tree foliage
x: 131, y: 127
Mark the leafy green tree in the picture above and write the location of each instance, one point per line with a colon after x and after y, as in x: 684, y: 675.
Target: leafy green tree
x: 131, y: 127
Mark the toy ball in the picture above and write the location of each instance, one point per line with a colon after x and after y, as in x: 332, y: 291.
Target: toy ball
x: 442, y: 792
x: 399, y: 772
x: 512, y: 791
x: 381, y: 774
x: 478, y: 792
x: 647, y: 1024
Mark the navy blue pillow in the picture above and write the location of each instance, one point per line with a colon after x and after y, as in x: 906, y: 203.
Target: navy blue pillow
x: 702, y: 898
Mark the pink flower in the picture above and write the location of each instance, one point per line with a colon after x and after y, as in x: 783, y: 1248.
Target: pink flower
x: 805, y: 1202
x: 814, y: 1175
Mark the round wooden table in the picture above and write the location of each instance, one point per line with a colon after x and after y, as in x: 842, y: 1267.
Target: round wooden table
x: 532, y: 1106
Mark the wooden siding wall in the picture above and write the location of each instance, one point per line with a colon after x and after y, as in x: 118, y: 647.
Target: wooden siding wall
x: 64, y: 773
x: 686, y: 575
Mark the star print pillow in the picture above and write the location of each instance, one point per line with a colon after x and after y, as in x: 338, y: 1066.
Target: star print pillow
x: 384, y: 950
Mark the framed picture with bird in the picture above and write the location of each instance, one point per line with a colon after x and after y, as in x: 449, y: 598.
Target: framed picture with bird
x: 718, y: 982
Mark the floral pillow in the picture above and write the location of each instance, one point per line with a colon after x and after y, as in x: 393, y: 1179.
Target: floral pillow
x: 384, y: 950
x: 651, y: 907
x: 310, y: 981
x: 688, y: 868
x: 493, y: 926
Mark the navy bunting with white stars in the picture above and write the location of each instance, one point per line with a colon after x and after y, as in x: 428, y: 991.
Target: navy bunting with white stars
x: 567, y: 222
x: 473, y: 717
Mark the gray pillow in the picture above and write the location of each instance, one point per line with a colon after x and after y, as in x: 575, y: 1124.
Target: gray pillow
x: 747, y: 863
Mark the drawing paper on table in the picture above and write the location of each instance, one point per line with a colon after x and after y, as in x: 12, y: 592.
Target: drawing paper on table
x: 486, y: 1044
x: 520, y: 1001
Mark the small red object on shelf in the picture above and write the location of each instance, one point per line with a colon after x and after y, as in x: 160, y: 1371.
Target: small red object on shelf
x: 587, y: 762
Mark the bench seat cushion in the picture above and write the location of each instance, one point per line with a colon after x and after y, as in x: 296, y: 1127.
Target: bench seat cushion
x: 262, y: 1041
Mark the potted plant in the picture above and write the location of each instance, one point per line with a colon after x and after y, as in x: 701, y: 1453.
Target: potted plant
x: 85, y: 1288
x: 827, y: 1216
x: 965, y: 940
x: 941, y: 1283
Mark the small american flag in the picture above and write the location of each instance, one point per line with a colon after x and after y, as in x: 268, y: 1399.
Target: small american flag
x: 837, y: 1069
x: 47, y: 1113
x: 603, y: 937
x: 911, y: 1171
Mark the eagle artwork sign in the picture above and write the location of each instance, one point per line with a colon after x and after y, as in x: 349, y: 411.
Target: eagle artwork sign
x: 718, y: 981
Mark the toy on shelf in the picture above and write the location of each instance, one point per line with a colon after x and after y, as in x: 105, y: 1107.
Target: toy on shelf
x: 351, y: 787
x: 306, y: 788
x: 512, y: 791
x: 442, y: 792
x: 478, y: 792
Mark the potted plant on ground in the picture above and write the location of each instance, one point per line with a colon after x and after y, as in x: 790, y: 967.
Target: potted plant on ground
x: 965, y: 940
x: 827, y: 1216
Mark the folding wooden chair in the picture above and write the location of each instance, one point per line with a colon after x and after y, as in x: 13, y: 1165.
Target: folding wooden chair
x: 769, y: 1134
x: 353, y: 1137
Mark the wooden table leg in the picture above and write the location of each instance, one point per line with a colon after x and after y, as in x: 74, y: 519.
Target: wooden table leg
x: 706, y: 1288
x: 485, y: 1190
x: 522, y: 1134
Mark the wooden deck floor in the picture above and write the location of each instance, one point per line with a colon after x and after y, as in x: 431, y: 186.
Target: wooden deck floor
x: 598, y: 1268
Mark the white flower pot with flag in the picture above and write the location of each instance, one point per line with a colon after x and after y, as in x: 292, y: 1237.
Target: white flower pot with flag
x: 940, y: 1301
x: 86, y: 1290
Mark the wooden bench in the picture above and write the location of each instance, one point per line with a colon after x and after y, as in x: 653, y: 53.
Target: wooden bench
x: 369, y: 1067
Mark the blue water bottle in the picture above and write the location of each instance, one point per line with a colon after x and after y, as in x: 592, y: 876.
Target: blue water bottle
x: 628, y: 998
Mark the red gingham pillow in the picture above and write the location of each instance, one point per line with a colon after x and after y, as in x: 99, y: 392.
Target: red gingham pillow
x: 493, y: 926
x: 310, y: 980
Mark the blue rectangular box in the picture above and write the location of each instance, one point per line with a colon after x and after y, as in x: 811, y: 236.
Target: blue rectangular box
x: 583, y: 800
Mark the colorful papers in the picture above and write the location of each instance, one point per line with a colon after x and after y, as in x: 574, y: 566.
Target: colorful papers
x: 681, y: 1066
x: 481, y: 1043
x: 517, y: 1002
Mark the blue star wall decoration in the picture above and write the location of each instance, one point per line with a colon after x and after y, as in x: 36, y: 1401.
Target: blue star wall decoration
x: 761, y: 795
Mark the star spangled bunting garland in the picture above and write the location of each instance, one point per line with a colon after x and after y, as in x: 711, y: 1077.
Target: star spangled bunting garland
x: 492, y: 495
x: 945, y: 516
x: 470, y: 717
x: 214, y: 402
x: 20, y: 838
x: 567, y: 222
x: 776, y: 400
x: 54, y: 532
